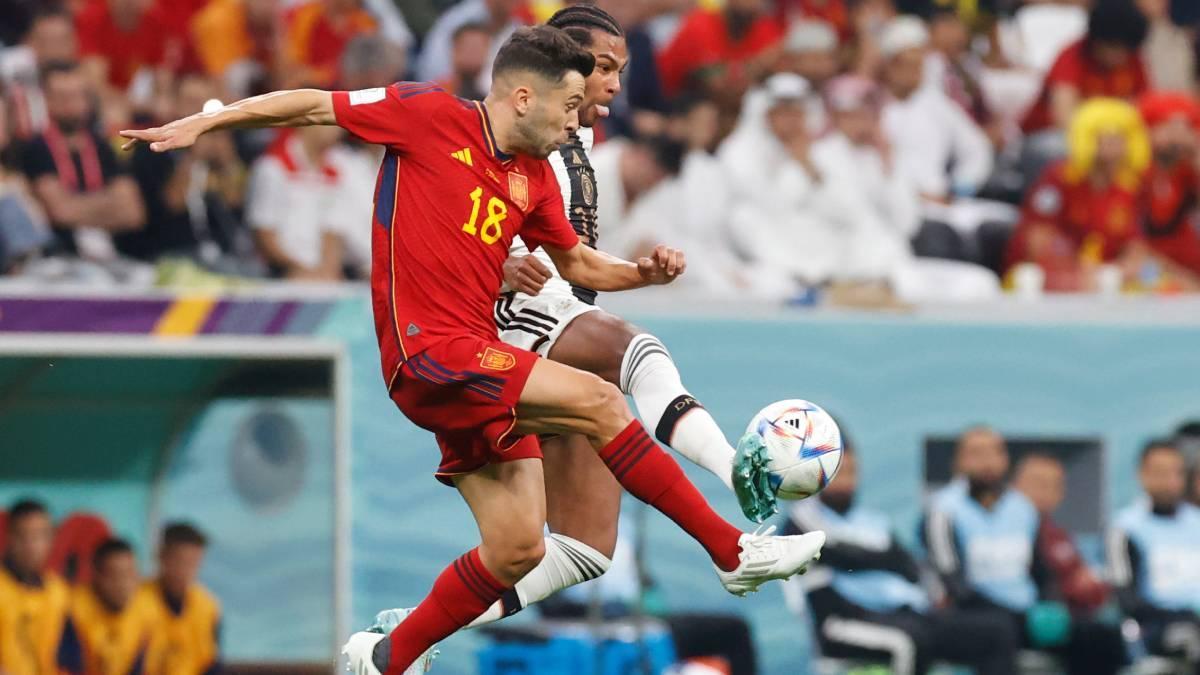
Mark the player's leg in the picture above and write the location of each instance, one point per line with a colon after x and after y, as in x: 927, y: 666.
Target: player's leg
x: 508, y: 502
x: 583, y: 499
x: 641, y: 366
x: 583, y: 503
x: 560, y: 399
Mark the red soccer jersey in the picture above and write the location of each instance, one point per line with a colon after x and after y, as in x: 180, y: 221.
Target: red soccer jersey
x: 448, y: 203
x: 704, y: 41
x: 1074, y: 67
x: 125, y: 52
x: 1080, y: 214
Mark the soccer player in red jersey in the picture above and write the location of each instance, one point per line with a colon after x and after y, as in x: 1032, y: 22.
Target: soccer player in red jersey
x: 458, y: 181
x: 542, y: 313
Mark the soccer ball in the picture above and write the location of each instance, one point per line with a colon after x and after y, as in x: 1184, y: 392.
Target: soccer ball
x: 804, y: 445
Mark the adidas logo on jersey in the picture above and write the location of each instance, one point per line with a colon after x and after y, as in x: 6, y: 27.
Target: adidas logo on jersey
x: 463, y: 156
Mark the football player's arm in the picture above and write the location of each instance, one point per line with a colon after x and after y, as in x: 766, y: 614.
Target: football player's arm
x: 292, y: 108
x: 584, y: 266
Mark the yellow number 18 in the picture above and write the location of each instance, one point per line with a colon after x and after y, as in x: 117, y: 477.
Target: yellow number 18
x: 497, y: 211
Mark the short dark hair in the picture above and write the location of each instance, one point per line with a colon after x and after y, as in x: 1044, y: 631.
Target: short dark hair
x: 50, y: 10
x: 1155, y: 444
x: 1038, y: 456
x: 110, y: 547
x: 26, y: 507
x: 580, y: 20
x: 1117, y: 22
x: 544, y: 50
x: 179, y: 534
x: 57, y: 68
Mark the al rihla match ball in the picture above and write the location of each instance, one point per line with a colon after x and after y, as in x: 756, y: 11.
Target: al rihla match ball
x: 804, y: 445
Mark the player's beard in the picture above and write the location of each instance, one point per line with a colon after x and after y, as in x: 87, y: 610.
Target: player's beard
x: 981, y: 487
x: 532, y: 138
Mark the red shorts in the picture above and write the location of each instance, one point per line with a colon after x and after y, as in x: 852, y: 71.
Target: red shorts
x: 465, y: 390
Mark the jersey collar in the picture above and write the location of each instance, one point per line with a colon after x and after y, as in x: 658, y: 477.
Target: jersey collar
x: 489, y: 137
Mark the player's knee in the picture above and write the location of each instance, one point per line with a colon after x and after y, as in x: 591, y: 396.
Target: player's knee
x: 522, y: 555
x: 606, y: 402
x: 614, y: 410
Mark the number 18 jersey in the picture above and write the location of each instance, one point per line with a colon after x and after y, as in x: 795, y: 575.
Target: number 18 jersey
x: 448, y: 203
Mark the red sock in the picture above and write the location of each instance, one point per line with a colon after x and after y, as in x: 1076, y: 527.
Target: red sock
x: 653, y: 476
x: 462, y: 592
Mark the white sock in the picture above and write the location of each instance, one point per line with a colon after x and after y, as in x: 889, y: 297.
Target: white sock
x: 567, y: 562
x: 677, y: 419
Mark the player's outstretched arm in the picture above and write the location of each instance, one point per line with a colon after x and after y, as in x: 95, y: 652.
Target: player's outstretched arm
x: 294, y: 108
x: 585, y: 266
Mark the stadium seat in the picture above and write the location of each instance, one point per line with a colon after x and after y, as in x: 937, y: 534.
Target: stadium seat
x: 578, y: 648
x: 76, y: 540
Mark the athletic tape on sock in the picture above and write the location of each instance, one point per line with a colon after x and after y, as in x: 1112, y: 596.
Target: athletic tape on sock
x: 671, y: 416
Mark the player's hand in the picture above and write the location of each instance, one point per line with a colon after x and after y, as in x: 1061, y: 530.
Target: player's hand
x: 526, y: 274
x: 178, y: 134
x: 663, y: 266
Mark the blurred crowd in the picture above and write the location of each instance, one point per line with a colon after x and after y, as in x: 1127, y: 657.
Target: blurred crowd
x: 998, y: 578
x: 871, y: 150
x: 73, y: 602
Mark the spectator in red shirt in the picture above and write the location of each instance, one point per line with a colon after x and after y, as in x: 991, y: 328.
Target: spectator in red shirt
x: 1042, y: 479
x: 177, y: 14
x: 723, y: 51
x: 1083, y: 211
x: 124, y: 40
x: 1171, y: 188
x: 1086, y: 206
x: 1104, y: 63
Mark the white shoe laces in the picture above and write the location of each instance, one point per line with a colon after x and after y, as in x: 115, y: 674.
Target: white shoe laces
x: 760, y: 545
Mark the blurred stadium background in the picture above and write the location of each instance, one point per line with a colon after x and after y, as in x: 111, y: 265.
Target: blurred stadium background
x: 189, y: 340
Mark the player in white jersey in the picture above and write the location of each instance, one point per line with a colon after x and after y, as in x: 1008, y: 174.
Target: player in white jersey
x: 541, y: 312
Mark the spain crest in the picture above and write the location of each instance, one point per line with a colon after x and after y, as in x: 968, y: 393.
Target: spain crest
x: 518, y: 189
x: 494, y: 359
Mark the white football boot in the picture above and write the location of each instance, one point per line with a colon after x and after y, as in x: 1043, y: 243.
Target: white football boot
x: 765, y: 557
x: 360, y: 649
